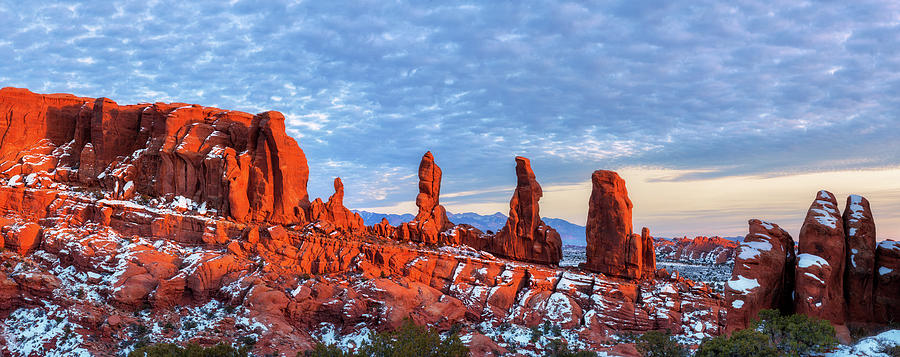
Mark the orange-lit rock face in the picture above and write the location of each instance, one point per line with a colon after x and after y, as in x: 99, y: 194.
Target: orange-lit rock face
x: 238, y: 164
x: 333, y: 212
x: 612, y: 247
x: 525, y: 236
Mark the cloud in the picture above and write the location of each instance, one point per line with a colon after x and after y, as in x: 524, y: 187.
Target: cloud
x: 709, y: 89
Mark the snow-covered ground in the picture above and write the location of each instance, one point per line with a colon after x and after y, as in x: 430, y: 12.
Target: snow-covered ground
x: 714, y: 275
x: 870, y: 346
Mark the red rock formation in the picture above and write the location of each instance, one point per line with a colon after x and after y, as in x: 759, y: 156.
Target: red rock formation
x: 27, y: 118
x: 232, y: 162
x: 887, y: 282
x: 431, y: 219
x: 648, y: 269
x: 820, y: 262
x: 525, y: 236
x: 101, y: 183
x: 763, y: 275
x: 22, y: 238
x: 859, y: 273
x: 382, y: 229
x: 334, y: 211
x: 709, y: 250
x: 612, y: 248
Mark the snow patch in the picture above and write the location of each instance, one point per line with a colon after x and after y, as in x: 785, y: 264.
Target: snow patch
x: 815, y: 277
x: 807, y: 260
x: 869, y: 346
x: 742, y: 284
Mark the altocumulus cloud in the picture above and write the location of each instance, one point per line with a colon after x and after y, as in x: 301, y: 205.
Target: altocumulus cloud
x: 720, y: 88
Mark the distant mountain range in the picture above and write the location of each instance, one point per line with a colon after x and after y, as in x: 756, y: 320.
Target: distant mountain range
x: 571, y: 234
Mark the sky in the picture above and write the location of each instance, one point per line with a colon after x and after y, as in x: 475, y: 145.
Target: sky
x: 714, y: 112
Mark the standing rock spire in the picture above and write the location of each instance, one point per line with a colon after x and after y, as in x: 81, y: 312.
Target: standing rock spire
x: 428, y: 199
x: 859, y: 274
x: 431, y: 219
x: 820, y: 264
x: 612, y: 247
x: 648, y: 269
x: 525, y: 236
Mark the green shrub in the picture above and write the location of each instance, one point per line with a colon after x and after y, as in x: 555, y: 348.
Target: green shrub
x: 535, y: 334
x: 796, y: 335
x: 743, y: 343
x: 558, y: 348
x: 410, y: 340
x: 189, y: 325
x: 323, y: 350
x: 659, y: 344
x: 191, y: 350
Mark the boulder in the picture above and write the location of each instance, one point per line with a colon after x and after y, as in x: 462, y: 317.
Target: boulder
x: 820, y: 262
x: 859, y: 273
x: 525, y: 236
x: 22, y: 238
x: 763, y: 275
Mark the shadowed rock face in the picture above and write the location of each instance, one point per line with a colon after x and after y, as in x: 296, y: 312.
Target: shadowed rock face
x: 525, y: 236
x: 859, y: 272
x: 612, y: 247
x: 763, y: 275
x: 236, y: 163
x: 887, y: 282
x: 820, y: 262
x: 840, y: 274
